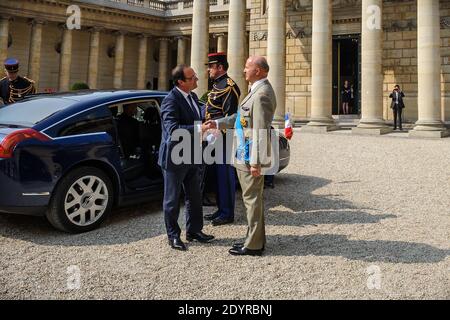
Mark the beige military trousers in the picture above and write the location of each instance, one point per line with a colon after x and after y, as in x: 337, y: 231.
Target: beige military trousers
x: 252, y: 195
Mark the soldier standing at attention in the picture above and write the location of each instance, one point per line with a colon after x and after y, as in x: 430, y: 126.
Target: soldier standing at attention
x: 13, y: 87
x: 223, y: 100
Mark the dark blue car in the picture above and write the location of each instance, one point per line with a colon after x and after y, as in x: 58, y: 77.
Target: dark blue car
x: 72, y: 156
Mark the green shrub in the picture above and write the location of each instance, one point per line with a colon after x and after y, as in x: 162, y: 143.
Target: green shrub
x: 79, y: 86
x: 204, y: 97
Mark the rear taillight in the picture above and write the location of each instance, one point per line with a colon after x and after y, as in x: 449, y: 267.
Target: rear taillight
x: 10, y: 142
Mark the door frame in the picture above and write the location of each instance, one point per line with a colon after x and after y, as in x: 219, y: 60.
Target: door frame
x: 337, y: 62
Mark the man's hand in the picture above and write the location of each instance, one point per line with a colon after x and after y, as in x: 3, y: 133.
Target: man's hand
x: 206, y: 126
x: 211, y: 124
x: 255, y: 171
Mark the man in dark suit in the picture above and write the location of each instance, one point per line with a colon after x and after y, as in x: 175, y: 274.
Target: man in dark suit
x: 180, y: 110
x: 397, y: 106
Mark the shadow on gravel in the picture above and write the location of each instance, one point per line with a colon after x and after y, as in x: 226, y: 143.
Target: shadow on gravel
x: 341, y: 246
x: 295, y: 192
x: 301, y: 207
x: 125, y: 225
x: 315, y: 218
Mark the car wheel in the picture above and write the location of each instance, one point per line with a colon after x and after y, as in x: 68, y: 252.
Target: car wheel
x: 82, y: 200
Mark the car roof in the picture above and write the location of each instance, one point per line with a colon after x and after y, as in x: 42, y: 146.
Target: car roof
x: 100, y: 96
x: 86, y: 99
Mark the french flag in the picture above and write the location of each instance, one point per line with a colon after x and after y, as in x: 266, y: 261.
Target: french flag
x: 288, y: 132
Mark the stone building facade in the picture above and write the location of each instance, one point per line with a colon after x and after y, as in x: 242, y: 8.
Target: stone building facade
x: 312, y: 47
x: 397, y: 51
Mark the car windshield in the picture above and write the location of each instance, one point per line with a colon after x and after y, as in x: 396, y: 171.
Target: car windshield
x: 30, y: 112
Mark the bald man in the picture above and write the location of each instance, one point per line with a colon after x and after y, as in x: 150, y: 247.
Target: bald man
x: 254, y: 118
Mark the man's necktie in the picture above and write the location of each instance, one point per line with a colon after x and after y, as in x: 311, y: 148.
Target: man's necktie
x: 193, y: 106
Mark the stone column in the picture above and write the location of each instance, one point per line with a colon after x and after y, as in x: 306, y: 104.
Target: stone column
x: 181, y: 50
x: 142, y: 62
x: 236, y: 43
x: 429, y: 68
x: 94, y: 51
x: 221, y: 41
x: 321, y: 86
x: 4, y: 34
x: 34, y: 66
x: 119, y: 59
x: 276, y: 55
x: 163, y: 80
x: 200, y: 44
x: 371, y: 67
x: 65, y: 59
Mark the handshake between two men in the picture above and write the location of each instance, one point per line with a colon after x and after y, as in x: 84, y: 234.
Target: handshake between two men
x: 209, y: 126
x: 211, y: 132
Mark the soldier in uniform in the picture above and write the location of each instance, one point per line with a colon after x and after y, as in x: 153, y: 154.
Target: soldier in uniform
x: 223, y: 100
x: 13, y: 87
x: 253, y: 150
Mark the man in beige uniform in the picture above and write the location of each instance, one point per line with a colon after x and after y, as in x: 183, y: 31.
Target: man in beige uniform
x: 254, y: 118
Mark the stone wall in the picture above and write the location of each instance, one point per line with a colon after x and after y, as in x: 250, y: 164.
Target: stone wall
x: 20, y: 43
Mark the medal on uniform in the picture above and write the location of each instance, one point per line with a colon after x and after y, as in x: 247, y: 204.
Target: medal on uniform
x: 243, y: 122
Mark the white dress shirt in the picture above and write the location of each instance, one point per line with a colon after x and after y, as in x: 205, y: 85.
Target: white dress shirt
x: 254, y: 85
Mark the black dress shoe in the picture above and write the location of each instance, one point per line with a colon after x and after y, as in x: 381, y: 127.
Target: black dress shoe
x: 238, y: 245
x: 220, y: 221
x: 177, y: 244
x: 243, y: 251
x: 211, y: 216
x: 199, y: 236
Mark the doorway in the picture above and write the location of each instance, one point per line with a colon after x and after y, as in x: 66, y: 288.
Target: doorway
x: 347, y: 67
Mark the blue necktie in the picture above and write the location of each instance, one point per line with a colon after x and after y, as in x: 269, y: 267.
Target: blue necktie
x: 192, y: 105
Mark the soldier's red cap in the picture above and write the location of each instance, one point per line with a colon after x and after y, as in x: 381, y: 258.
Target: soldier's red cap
x: 218, y: 57
x: 11, y: 65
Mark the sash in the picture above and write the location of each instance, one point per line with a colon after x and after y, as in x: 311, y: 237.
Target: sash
x: 243, y: 145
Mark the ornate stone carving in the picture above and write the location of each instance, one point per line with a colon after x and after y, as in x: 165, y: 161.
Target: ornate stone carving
x: 260, y: 36
x: 445, y: 22
x: 401, y: 25
x: 302, y: 5
x: 111, y: 51
x: 302, y: 32
x: 58, y: 46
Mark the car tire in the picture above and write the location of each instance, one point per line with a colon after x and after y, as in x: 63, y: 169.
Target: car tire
x: 81, y: 201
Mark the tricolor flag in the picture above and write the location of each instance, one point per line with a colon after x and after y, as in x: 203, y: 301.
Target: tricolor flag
x: 288, y: 131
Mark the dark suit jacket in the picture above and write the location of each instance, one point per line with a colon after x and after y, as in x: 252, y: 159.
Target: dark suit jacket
x: 176, y: 114
x: 401, y: 95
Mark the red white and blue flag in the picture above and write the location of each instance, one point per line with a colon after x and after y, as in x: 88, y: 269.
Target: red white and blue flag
x: 288, y: 131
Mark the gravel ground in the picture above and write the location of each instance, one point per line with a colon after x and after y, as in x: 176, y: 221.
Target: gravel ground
x: 352, y: 217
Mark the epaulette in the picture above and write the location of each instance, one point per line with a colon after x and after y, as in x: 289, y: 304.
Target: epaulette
x: 2, y: 78
x: 230, y: 82
x: 32, y: 81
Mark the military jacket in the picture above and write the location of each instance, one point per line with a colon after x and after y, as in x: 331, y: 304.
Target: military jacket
x: 223, y: 100
x: 13, y: 91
